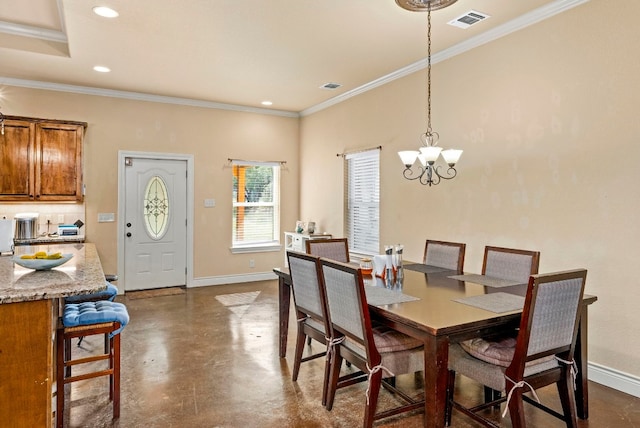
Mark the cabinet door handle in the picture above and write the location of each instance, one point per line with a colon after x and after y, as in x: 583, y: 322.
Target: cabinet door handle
x: 128, y: 234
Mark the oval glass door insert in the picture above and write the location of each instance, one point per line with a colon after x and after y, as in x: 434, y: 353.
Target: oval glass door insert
x: 156, y: 208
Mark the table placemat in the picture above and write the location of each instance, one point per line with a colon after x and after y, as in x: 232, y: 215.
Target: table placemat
x: 489, y: 281
x: 494, y: 302
x: 418, y: 267
x: 378, y: 296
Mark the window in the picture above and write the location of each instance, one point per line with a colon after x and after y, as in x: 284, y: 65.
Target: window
x: 362, y: 205
x: 256, y: 206
x: 156, y: 208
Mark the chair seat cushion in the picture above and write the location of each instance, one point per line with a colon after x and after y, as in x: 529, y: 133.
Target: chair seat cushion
x: 88, y: 313
x: 108, y: 293
x: 499, y: 351
x: 389, y: 340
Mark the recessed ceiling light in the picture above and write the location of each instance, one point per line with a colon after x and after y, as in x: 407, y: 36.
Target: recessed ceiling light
x: 101, y: 69
x: 105, y: 12
x: 267, y: 103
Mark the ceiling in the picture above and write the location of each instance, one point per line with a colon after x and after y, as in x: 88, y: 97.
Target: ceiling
x: 239, y: 53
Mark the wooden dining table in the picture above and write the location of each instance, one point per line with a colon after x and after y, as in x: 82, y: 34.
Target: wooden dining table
x: 437, y: 319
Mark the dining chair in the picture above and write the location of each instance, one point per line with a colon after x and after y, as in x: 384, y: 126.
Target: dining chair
x: 310, y: 310
x: 509, y: 263
x: 334, y: 249
x: 448, y: 255
x: 541, y: 354
x: 376, y: 351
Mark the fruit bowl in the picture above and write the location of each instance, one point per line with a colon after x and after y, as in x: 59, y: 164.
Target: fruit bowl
x: 42, y: 264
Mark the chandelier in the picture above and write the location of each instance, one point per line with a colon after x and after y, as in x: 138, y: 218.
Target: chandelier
x: 426, y: 171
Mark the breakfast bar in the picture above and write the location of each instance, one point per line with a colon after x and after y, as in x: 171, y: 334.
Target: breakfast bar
x: 29, y: 302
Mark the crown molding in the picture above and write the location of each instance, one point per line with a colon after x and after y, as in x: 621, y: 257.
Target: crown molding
x: 32, y: 32
x: 519, y: 23
x: 139, y: 96
x: 514, y: 25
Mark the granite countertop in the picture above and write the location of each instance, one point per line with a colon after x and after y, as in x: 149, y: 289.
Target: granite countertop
x: 81, y: 275
x: 49, y: 240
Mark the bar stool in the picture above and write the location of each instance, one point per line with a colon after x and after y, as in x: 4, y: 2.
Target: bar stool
x: 87, y: 319
x: 108, y: 293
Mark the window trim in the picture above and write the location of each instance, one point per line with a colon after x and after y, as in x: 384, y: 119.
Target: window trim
x: 264, y: 246
x: 364, y: 154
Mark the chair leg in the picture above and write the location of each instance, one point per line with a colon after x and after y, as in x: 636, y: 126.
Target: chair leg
x: 516, y: 409
x: 490, y: 395
x: 326, y: 380
x: 568, y: 399
x: 375, y: 380
x: 297, y: 359
x: 334, y: 375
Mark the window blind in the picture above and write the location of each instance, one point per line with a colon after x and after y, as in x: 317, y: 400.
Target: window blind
x: 362, y: 205
x: 256, y: 203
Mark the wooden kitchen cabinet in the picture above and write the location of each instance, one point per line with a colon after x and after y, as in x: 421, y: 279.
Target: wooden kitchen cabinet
x: 26, y: 363
x: 41, y: 160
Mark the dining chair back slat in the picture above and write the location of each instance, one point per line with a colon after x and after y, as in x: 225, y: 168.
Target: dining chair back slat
x: 555, y: 311
x: 343, y: 302
x: 447, y: 255
x: 335, y: 249
x: 511, y: 264
x: 306, y: 288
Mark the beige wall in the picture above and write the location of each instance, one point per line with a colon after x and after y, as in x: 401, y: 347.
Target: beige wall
x: 211, y: 136
x: 548, y: 120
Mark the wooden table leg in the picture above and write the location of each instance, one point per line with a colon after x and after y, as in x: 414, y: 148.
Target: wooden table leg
x: 436, y: 357
x: 284, y: 301
x: 580, y: 356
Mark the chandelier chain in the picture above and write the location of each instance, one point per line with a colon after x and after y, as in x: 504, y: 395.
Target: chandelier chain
x: 427, y: 171
x: 429, y: 131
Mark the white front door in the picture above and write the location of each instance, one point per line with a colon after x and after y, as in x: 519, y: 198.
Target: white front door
x: 155, y: 223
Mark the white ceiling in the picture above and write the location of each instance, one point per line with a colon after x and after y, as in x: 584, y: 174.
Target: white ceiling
x: 240, y: 52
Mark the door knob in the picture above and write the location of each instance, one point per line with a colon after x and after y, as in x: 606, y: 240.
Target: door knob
x: 128, y: 224
x: 128, y: 234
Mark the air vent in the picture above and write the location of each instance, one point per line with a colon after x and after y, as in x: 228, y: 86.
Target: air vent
x: 468, y: 19
x: 330, y: 86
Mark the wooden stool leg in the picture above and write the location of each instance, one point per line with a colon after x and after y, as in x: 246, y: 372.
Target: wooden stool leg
x: 67, y: 356
x: 116, y: 375
x: 60, y: 374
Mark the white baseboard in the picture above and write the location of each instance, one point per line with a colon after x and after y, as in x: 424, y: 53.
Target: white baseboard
x: 615, y: 379
x: 232, y: 279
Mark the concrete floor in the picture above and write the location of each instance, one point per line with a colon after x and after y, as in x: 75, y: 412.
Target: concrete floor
x: 209, y: 358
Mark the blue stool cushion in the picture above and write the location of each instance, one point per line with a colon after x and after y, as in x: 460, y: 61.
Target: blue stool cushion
x: 88, y: 313
x: 108, y: 294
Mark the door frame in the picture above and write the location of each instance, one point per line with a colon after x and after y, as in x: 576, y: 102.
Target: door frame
x: 122, y: 154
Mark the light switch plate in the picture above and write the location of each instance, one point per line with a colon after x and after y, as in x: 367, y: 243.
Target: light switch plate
x: 106, y: 217
x: 209, y: 203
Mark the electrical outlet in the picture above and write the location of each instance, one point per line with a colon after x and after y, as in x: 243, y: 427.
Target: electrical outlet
x: 60, y: 218
x: 252, y: 263
x: 47, y: 218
